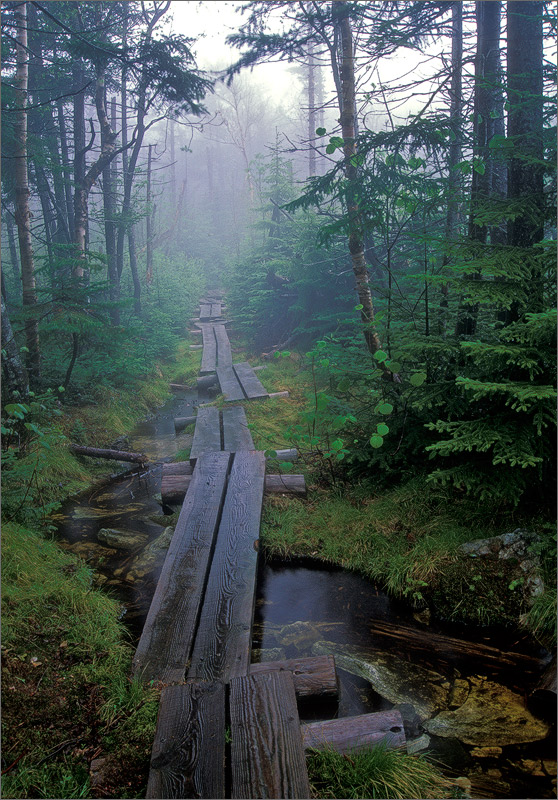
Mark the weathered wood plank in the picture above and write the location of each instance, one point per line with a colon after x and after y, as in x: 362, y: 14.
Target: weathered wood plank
x: 349, y: 734
x: 224, y: 352
x: 216, y: 310
x: 209, y: 355
x: 236, y: 435
x: 167, y: 636
x: 314, y: 676
x: 188, y: 756
x: 222, y: 647
x: 114, y: 455
x: 249, y: 380
x: 267, y: 754
x: 175, y: 486
x: 207, y: 433
x: 180, y: 468
x: 230, y: 385
x: 205, y: 311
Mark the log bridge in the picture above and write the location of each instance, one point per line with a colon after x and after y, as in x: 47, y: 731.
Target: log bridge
x: 227, y: 727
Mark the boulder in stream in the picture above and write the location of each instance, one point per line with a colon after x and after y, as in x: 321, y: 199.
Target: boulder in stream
x: 94, y: 554
x: 150, y: 557
x: 397, y: 680
x: 122, y: 540
x: 491, y: 714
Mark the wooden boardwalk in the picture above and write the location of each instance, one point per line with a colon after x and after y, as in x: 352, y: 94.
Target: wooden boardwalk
x: 196, y: 641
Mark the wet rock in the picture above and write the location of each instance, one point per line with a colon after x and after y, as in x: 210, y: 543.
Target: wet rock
x: 122, y: 540
x: 465, y: 785
x: 531, y: 766
x: 301, y: 635
x: 150, y: 557
x: 486, y: 752
x: 94, y: 554
x: 394, y: 679
x: 423, y: 616
x: 549, y: 767
x: 268, y: 654
x: 459, y: 693
x: 491, y: 713
x: 411, y: 719
x: 418, y: 745
x: 507, y: 545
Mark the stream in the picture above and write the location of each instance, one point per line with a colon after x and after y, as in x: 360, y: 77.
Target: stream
x: 461, y: 700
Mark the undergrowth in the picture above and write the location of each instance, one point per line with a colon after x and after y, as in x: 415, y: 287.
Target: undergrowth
x: 375, y: 773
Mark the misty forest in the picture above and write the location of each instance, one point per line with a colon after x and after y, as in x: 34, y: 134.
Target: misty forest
x: 366, y: 191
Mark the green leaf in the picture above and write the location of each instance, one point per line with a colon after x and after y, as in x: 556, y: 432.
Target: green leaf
x: 270, y: 454
x: 359, y: 307
x: 324, y: 362
x: 380, y: 355
x: 385, y: 408
x: 418, y: 378
x: 321, y: 131
x: 394, y: 366
x: 337, y: 444
x: 344, y: 384
x: 285, y: 353
x: 376, y: 441
x: 382, y: 429
x: 286, y: 466
x: 479, y: 166
x: 330, y: 149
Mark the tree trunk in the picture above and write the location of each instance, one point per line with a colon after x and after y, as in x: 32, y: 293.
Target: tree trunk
x: 455, y: 148
x: 15, y: 374
x: 356, y: 233
x: 311, y: 111
x: 80, y: 202
x: 23, y: 214
x: 525, y: 128
x: 149, y: 225
x: 110, y: 228
x: 12, y: 248
x: 65, y: 166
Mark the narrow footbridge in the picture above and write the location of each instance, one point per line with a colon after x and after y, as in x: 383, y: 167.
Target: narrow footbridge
x: 227, y: 727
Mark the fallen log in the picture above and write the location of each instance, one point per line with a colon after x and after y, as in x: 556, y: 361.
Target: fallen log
x: 175, y: 486
x: 285, y: 455
x: 355, y: 733
x: 114, y: 455
x: 179, y: 387
x: 182, y: 422
x: 313, y: 676
x: 208, y: 383
x: 278, y: 394
x: 180, y: 468
x: 196, y: 347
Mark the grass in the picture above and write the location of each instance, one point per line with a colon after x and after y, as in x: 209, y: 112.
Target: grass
x: 375, y: 773
x: 65, y: 667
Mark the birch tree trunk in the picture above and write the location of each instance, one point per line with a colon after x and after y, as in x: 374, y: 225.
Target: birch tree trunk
x: 15, y: 374
x: 23, y: 214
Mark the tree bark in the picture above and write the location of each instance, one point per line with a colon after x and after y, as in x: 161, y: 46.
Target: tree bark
x: 149, y: 225
x: 110, y: 227
x: 15, y: 373
x: 12, y: 248
x: 23, y: 213
x: 311, y: 111
x: 114, y: 455
x: 348, y: 132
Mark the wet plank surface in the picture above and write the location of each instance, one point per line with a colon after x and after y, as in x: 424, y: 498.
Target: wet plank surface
x: 314, y: 676
x: 205, y: 311
x: 224, y: 352
x: 223, y: 644
x: 209, y: 355
x: 169, y: 629
x: 236, y: 435
x: 216, y: 310
x: 207, y: 433
x: 267, y: 752
x: 249, y: 380
x: 230, y: 385
x: 188, y: 757
x: 355, y: 733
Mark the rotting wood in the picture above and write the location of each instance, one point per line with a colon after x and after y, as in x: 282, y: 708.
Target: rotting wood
x: 114, y: 455
x: 188, y: 756
x: 207, y: 434
x: 169, y: 629
x: 174, y: 487
x: 251, y: 385
x: 349, y: 734
x: 266, y: 744
x: 222, y: 646
x: 182, y: 422
x: 314, y: 676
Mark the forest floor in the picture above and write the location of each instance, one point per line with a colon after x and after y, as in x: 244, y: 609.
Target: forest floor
x: 68, y: 698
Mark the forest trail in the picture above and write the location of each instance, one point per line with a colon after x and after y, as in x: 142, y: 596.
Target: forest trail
x: 196, y: 642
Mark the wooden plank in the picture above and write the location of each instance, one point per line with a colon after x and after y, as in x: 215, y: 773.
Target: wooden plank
x: 188, y: 757
x: 223, y: 642
x: 168, y: 633
x: 216, y: 310
x: 174, y: 487
x: 350, y: 734
x: 314, y: 676
x: 207, y: 433
x: 209, y: 356
x: 205, y: 311
x: 224, y: 352
x: 179, y: 468
x: 230, y: 386
x: 236, y: 435
x: 267, y: 755
x: 249, y: 380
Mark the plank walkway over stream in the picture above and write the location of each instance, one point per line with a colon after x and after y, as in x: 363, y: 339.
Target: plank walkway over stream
x: 197, y: 638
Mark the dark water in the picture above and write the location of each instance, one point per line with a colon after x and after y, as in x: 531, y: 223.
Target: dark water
x: 317, y: 604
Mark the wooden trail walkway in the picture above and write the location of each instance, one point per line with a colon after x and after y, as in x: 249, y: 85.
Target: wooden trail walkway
x: 196, y: 641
